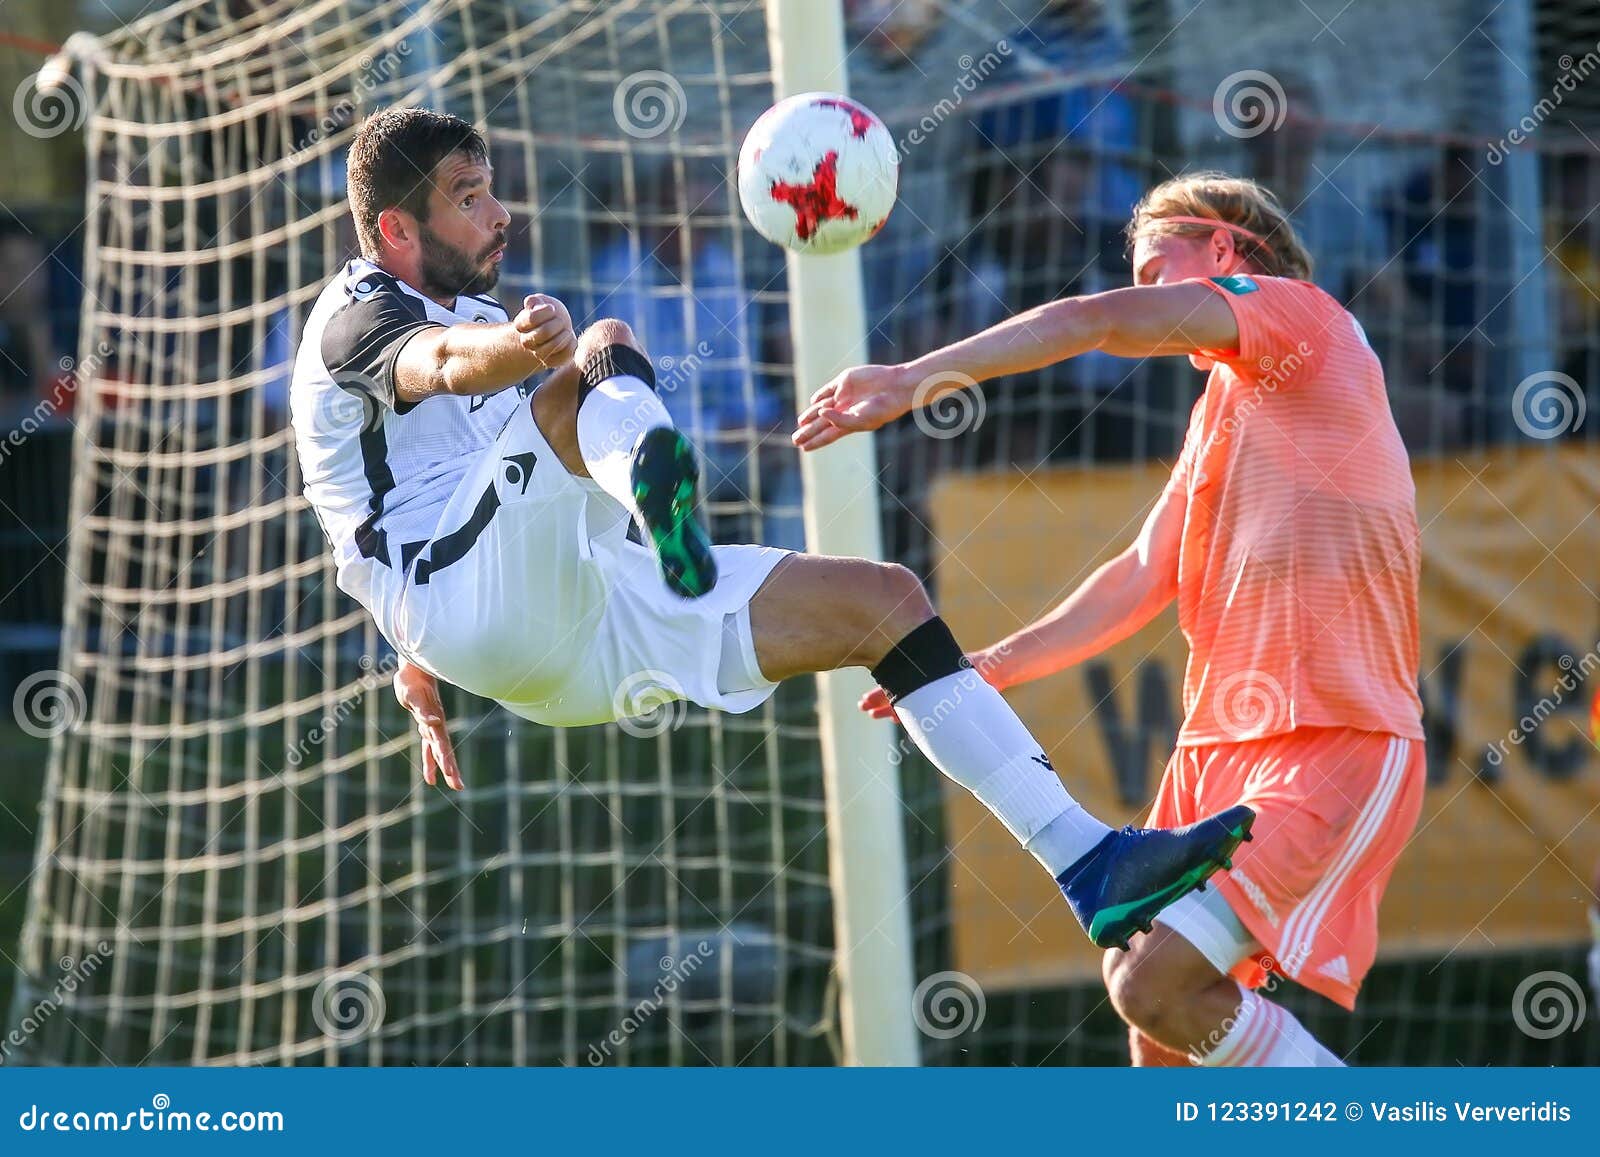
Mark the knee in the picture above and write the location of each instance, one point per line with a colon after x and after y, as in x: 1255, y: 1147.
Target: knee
x: 1138, y: 992
x: 607, y: 331
x: 895, y: 603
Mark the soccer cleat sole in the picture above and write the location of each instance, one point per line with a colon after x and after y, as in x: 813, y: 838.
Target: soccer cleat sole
x: 1112, y: 927
x: 666, y: 481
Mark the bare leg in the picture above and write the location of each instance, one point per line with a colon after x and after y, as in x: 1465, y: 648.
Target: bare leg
x: 1147, y: 1054
x: 817, y: 613
x: 1165, y: 989
x: 633, y: 451
x: 555, y: 402
x: 555, y: 412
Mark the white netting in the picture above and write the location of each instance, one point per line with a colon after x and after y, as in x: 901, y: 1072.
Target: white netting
x: 236, y: 820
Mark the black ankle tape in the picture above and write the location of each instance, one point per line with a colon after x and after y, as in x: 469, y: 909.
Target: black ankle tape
x: 928, y: 653
x: 613, y: 361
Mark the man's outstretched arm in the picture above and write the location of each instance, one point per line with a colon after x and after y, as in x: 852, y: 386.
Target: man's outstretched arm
x: 1140, y: 321
x: 1120, y: 597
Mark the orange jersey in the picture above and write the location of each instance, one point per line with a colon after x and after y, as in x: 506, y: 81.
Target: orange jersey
x: 1298, y: 569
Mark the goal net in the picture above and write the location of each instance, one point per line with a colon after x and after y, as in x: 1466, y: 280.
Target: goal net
x: 236, y: 861
x: 236, y: 824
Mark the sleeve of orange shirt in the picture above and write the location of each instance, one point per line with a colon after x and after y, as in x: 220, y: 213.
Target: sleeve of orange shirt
x: 1277, y: 317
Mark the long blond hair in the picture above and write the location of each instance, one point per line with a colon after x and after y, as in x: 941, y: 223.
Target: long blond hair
x: 1269, y: 243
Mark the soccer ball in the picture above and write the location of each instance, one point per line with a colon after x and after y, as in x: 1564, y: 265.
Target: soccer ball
x: 818, y: 173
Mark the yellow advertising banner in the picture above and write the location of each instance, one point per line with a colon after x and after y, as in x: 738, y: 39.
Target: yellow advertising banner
x: 1510, y: 834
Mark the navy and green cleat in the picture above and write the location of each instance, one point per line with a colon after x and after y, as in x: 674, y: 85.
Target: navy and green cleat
x: 1119, y: 886
x: 666, y: 481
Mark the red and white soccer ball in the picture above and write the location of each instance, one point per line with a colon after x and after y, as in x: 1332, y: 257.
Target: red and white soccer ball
x: 818, y: 173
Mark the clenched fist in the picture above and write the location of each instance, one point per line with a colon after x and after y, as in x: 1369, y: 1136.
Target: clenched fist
x: 545, y: 329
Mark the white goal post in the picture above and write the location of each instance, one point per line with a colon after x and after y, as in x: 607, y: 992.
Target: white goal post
x: 866, y: 845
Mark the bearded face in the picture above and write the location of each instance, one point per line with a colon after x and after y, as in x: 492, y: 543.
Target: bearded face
x: 449, y: 271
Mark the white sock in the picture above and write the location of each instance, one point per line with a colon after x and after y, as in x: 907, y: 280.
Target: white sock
x: 970, y: 733
x: 610, y: 422
x: 1264, y: 1035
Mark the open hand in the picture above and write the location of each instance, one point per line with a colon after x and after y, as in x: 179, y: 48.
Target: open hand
x: 876, y: 704
x: 418, y: 693
x: 862, y: 398
x: 987, y: 663
x: 545, y: 329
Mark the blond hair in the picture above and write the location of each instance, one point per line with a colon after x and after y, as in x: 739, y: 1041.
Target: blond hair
x: 1268, y: 240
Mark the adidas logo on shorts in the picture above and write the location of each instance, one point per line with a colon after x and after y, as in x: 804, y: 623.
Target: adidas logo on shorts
x: 1336, y: 969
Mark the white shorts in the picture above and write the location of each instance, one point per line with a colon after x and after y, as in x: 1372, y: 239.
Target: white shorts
x: 530, y: 594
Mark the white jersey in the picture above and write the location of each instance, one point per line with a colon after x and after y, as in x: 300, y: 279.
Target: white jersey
x: 479, y: 556
x: 379, y: 471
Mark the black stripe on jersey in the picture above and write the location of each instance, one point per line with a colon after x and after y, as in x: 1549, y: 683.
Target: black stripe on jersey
x: 370, y: 540
x: 363, y: 338
x: 409, y: 551
x: 452, y: 548
x: 487, y: 300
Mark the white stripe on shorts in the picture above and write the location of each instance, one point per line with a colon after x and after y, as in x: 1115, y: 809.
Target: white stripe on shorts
x: 1300, y: 930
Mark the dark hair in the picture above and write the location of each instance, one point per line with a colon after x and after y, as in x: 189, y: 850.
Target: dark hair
x: 393, y: 157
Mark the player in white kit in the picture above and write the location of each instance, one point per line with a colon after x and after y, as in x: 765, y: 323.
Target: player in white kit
x: 484, y: 524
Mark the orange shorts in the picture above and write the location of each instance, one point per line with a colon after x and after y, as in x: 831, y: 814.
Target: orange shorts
x: 1334, y: 809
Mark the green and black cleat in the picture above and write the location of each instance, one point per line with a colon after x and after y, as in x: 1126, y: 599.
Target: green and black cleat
x: 666, y: 481
x: 1119, y: 886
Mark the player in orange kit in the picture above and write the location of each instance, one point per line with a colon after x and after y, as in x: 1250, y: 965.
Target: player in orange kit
x: 1288, y: 536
